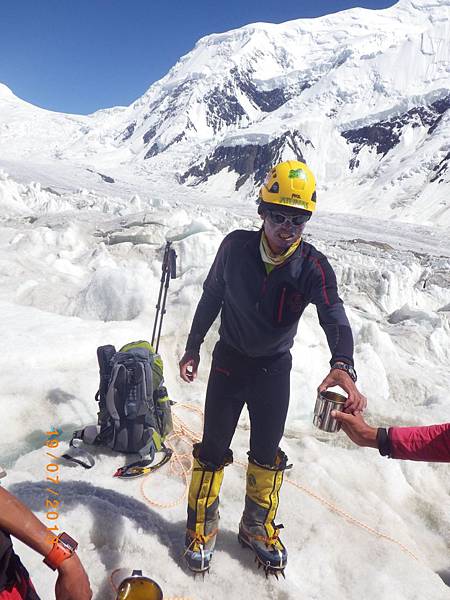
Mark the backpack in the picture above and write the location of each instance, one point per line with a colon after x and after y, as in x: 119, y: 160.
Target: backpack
x: 134, y: 414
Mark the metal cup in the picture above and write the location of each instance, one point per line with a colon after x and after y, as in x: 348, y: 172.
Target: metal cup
x: 325, y: 403
x: 138, y: 587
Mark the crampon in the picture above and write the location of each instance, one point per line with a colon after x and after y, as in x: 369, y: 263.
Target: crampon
x: 198, y: 552
x: 270, y: 554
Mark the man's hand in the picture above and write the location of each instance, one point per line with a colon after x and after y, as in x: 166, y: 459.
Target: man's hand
x: 357, y: 429
x: 72, y: 582
x: 356, y: 402
x: 19, y: 521
x: 189, y: 366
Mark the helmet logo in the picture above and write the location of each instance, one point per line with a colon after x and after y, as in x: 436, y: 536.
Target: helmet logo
x: 296, y: 200
x: 297, y: 174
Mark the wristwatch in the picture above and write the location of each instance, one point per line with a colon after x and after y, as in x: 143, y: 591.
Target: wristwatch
x: 63, y: 548
x: 347, y: 368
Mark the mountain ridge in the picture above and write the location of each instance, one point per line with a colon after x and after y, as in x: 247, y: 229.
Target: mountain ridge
x: 332, y: 90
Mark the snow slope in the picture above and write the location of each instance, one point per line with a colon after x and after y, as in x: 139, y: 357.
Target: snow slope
x: 73, y: 280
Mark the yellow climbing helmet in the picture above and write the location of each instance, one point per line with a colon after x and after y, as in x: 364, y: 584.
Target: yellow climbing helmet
x: 290, y: 183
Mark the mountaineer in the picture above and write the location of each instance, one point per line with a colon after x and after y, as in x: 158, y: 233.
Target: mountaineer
x: 260, y: 282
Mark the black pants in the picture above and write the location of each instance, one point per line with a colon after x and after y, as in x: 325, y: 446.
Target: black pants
x: 261, y: 383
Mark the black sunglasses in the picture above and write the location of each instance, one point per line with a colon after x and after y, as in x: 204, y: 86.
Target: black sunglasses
x: 279, y: 218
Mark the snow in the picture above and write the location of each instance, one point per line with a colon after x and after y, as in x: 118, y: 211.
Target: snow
x: 72, y: 280
x: 80, y: 267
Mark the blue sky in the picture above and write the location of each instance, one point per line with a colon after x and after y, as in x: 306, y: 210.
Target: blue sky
x: 77, y: 56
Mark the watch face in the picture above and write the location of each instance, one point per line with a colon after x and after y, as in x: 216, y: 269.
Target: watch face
x: 352, y: 373
x: 68, y: 541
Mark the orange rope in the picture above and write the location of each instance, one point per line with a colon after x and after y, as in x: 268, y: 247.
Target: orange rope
x: 351, y: 519
x: 186, y: 435
x: 181, y: 463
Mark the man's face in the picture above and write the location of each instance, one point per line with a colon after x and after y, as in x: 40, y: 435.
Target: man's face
x: 282, y: 229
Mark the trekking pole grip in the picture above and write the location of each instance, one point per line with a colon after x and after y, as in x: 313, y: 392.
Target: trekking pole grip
x: 166, y: 260
x: 173, y: 263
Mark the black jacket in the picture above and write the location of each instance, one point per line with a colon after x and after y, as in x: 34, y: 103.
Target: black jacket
x: 5, y: 559
x: 260, y: 311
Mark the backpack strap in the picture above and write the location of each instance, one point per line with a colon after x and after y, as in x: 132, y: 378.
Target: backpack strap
x: 77, y: 454
x: 110, y: 396
x: 105, y: 355
x: 148, y: 450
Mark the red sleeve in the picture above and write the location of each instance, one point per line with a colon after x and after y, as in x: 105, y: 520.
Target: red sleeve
x: 430, y: 443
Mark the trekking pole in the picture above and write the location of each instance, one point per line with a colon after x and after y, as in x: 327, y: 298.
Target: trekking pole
x: 169, y: 272
x: 163, y: 276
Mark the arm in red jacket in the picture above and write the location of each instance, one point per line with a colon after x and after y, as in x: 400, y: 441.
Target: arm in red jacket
x: 431, y: 443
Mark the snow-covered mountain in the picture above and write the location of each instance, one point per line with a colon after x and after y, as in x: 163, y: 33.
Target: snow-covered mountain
x: 363, y: 96
x: 86, y: 205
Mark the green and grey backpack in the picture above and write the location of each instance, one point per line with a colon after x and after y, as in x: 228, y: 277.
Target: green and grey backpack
x: 134, y: 414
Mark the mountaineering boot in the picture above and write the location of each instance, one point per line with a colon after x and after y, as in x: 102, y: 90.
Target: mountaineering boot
x: 203, y: 511
x: 257, y: 529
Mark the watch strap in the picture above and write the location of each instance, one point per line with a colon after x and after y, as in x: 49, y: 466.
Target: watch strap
x: 349, y: 369
x: 64, y: 547
x: 383, y: 442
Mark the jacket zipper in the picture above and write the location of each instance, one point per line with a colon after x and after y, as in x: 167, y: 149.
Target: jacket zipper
x: 264, y: 286
x: 281, y: 305
x: 263, y: 291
